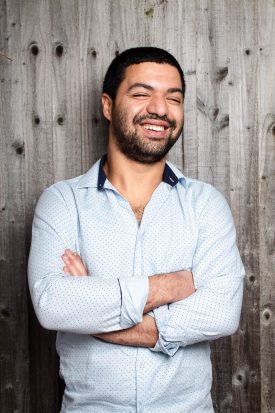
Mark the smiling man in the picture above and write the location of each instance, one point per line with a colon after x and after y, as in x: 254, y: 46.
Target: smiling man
x: 134, y: 264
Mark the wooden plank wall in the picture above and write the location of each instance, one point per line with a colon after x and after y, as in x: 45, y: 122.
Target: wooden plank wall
x: 53, y: 56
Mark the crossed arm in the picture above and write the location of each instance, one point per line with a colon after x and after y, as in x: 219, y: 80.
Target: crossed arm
x: 210, y: 312
x: 163, y: 289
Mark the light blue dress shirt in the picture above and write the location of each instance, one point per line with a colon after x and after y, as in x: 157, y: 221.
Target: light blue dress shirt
x: 187, y: 224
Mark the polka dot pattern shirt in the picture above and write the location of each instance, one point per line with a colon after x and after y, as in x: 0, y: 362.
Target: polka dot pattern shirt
x: 187, y: 224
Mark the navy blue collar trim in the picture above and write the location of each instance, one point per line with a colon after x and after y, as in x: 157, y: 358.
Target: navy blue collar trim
x: 168, y: 176
x: 101, y: 174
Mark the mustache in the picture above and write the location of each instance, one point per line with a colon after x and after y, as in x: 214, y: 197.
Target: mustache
x: 138, y: 119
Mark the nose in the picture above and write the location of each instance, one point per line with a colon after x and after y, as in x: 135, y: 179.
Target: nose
x: 157, y: 105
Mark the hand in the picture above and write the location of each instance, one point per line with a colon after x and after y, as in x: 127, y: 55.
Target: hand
x: 73, y: 263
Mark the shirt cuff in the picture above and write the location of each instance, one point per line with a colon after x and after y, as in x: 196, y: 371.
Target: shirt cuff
x: 162, y: 345
x: 134, y: 294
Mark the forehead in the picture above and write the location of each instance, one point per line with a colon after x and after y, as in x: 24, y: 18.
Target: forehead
x: 153, y: 74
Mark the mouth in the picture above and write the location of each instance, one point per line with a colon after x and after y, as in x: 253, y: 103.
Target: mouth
x: 153, y: 128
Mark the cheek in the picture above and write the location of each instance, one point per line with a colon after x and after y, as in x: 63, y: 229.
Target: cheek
x: 180, y: 119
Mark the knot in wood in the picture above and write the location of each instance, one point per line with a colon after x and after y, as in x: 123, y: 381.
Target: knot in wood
x: 252, y: 278
x: 34, y: 49
x: 19, y: 148
x: 36, y: 120
x: 222, y: 72
x: 60, y: 120
x: 239, y: 378
x: 5, y: 313
x: 92, y: 51
x: 59, y: 50
x: 224, y: 122
x: 213, y: 113
x: 149, y: 12
x: 267, y: 316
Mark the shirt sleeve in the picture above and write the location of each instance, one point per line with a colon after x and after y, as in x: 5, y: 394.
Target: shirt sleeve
x: 214, y: 309
x: 78, y: 304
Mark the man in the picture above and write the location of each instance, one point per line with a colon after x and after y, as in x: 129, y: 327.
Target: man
x: 152, y: 272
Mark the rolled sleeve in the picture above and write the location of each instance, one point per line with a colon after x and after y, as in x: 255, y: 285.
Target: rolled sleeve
x: 161, y: 315
x: 134, y: 294
x: 213, y: 311
x: 84, y: 305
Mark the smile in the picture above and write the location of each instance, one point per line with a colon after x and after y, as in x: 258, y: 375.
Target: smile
x: 154, y: 128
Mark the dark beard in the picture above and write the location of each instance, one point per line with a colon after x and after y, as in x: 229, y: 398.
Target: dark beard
x: 131, y: 144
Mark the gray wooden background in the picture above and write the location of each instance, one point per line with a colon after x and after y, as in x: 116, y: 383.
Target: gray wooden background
x: 53, y: 56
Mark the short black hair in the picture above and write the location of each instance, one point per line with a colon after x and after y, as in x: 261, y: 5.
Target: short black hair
x: 116, y: 71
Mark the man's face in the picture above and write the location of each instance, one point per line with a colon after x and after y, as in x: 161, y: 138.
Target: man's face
x: 147, y: 115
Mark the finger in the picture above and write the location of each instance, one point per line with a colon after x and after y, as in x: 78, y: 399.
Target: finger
x: 78, y: 264
x: 74, y: 263
x: 70, y: 252
x: 66, y: 270
x: 70, y: 265
x: 77, y: 261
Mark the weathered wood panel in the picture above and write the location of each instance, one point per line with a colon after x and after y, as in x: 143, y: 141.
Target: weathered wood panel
x: 243, y: 29
x: 52, y: 128
x: 36, y: 46
x: 14, y: 356
x: 96, y: 49
x: 266, y: 212
x: 213, y: 147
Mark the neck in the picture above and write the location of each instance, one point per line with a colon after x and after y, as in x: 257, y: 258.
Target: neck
x: 134, y: 180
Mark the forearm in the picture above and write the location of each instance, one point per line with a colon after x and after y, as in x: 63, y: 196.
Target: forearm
x: 163, y: 289
x: 144, y: 334
x: 212, y: 312
x: 169, y: 288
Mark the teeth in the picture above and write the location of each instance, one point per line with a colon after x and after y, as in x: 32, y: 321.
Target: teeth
x: 154, y: 127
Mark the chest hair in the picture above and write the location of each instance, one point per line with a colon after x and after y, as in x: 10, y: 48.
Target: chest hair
x: 138, y: 211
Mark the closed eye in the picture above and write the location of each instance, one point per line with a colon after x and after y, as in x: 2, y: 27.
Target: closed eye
x: 174, y: 100
x: 139, y: 94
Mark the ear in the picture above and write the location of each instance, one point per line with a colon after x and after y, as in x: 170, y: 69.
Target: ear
x: 107, y: 104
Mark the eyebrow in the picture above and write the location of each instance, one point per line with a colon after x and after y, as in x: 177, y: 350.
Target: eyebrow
x: 148, y: 87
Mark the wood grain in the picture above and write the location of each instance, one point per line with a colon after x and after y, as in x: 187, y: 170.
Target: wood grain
x: 37, y: 129
x: 266, y: 212
x: 243, y: 97
x: 14, y: 345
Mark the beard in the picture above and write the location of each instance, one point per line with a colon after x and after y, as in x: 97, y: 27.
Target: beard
x: 138, y: 147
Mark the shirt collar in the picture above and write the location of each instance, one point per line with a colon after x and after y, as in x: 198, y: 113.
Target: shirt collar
x: 96, y: 177
x: 168, y: 176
